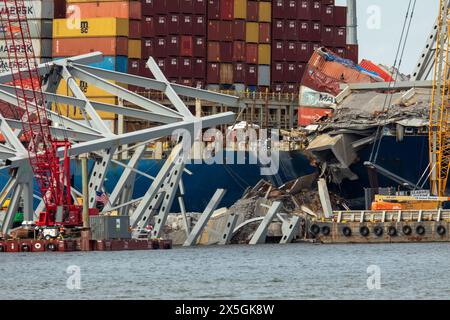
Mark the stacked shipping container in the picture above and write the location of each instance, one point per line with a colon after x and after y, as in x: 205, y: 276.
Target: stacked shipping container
x: 112, y: 27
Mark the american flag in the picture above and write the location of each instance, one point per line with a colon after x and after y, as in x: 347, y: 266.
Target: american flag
x: 101, y: 197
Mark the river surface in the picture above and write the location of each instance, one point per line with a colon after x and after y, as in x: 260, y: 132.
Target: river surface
x: 296, y: 271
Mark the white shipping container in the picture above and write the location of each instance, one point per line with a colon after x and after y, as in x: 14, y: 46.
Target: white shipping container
x: 5, y: 65
x: 35, y: 9
x: 38, y: 28
x: 42, y: 48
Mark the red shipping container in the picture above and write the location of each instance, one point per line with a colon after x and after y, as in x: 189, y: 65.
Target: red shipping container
x: 301, y: 67
x: 264, y: 32
x: 134, y: 67
x: 199, y: 6
x: 186, y: 46
x: 199, y: 47
x: 308, y: 115
x: 161, y: 26
x: 251, y: 75
x: 291, y: 30
x: 277, y: 87
x: 226, y: 30
x: 316, y: 10
x: 199, y: 68
x: 134, y: 30
x: 148, y: 27
x: 352, y: 52
x: 304, y: 32
x: 187, y: 25
x: 328, y: 15
x: 160, y: 47
x: 226, y: 9
x: 252, y: 11
x: 291, y: 51
x: 316, y: 31
x: 213, y: 51
x: 290, y: 9
x: 290, y: 70
x: 291, y: 88
x: 59, y: 9
x: 239, y: 51
x: 340, y: 52
x: 328, y: 2
x: 161, y: 64
x: 278, y: 9
x: 199, y: 27
x: 174, y: 24
x: 278, y: 30
x: 185, y: 68
x: 304, y: 51
x: 278, y: 72
x: 213, y: 73
x: 340, y: 36
x: 172, y: 6
x: 187, y: 6
x: 214, y: 31
x: 278, y: 48
x: 340, y: 16
x: 239, y: 73
x: 328, y: 36
x: 239, y: 30
x: 159, y: 6
x: 226, y: 51
x: 147, y: 48
x: 186, y: 82
x: 251, y: 53
x: 173, y: 46
x: 172, y: 67
x: 213, y: 9
x: 304, y: 10
x: 147, y: 7
x: 199, y: 84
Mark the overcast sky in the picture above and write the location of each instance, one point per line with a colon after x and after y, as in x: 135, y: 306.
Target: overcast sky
x: 378, y: 41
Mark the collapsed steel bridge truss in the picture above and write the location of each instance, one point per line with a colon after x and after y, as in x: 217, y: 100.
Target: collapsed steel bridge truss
x: 93, y: 136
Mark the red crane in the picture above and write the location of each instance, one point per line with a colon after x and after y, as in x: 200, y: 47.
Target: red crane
x: 52, y: 176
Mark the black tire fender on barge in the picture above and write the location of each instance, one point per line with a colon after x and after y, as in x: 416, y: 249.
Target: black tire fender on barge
x: 364, y: 231
x: 378, y: 230
x: 314, y: 229
x: 441, y: 230
x: 392, y: 231
x: 25, y: 247
x: 2, y: 248
x: 420, y: 230
x: 326, y: 230
x: 407, y: 230
x: 50, y: 247
x: 346, y: 231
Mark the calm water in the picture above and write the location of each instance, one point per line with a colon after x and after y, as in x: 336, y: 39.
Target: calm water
x: 297, y: 271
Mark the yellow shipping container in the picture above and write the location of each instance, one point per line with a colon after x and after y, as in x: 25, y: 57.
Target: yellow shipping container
x: 265, y: 12
x: 93, y: 27
x: 88, y: 89
x: 75, y: 113
x: 240, y: 9
x: 264, y: 54
x: 134, y: 49
x: 252, y: 30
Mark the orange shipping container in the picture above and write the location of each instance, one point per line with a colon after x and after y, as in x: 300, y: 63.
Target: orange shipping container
x: 110, y: 46
x: 120, y: 9
x: 308, y: 115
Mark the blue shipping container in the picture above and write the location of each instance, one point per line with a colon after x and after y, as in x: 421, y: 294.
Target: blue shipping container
x: 113, y: 63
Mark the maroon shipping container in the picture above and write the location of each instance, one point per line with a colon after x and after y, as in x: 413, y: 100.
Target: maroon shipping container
x: 160, y: 47
x: 226, y: 51
x: 316, y: 31
x: 251, y: 75
x: 199, y: 27
x: 301, y: 67
x: 161, y: 64
x: 214, y: 30
x: 161, y: 26
x: 134, y: 67
x: 328, y: 15
x: 213, y: 51
x: 226, y: 30
x: 172, y: 6
x: 199, y: 68
x: 59, y: 9
x: 159, y: 6
x: 199, y: 47
x: 173, y: 26
x: 226, y: 9
x: 340, y: 16
x: 147, y: 7
x: 213, y: 73
x: 304, y: 32
x: 351, y: 52
x: 239, y: 73
x: 291, y: 51
x: 278, y: 48
x: 291, y: 29
x: 290, y: 9
x: 264, y: 32
x: 278, y: 72
x: 239, y: 30
x: 134, y: 31
x: 173, y: 46
x: 251, y: 53
x: 187, y: 6
x: 278, y: 30
x: 316, y: 10
x: 304, y: 51
x: 340, y: 36
x: 186, y: 46
x: 199, y: 6
x: 213, y: 9
x: 340, y: 51
x: 172, y: 67
x: 147, y: 48
x: 328, y: 2
x: 185, y: 68
x: 304, y: 10
x: 290, y: 70
x: 148, y: 27
x: 252, y: 11
x: 278, y: 9
x: 315, y: 46
x: 328, y: 36
x: 239, y: 51
x: 186, y: 25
